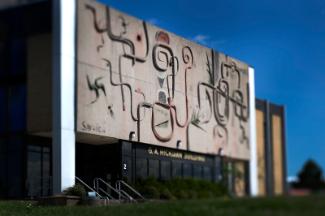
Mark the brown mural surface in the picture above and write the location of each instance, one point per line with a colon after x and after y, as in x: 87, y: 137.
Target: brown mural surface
x: 277, y: 154
x: 135, y: 78
x: 260, y: 141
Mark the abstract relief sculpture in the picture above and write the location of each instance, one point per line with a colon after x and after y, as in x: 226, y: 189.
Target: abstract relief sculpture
x: 133, y: 76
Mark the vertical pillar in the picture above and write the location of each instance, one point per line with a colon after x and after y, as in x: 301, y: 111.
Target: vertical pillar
x: 268, y: 150
x: 284, y: 152
x: 253, y: 176
x: 63, y: 107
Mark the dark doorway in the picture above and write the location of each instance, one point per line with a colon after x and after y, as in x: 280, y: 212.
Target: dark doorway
x: 98, y: 161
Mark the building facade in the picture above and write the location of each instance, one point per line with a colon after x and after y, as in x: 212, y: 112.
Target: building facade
x: 271, y: 148
x: 88, y: 91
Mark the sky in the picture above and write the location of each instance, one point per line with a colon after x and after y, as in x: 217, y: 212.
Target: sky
x: 283, y: 40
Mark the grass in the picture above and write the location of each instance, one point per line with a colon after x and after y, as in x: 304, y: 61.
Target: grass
x: 313, y: 205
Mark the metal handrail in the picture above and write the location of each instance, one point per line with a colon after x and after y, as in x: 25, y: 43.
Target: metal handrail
x: 104, y: 192
x: 121, y: 182
x: 87, y: 186
x: 96, y: 183
x: 127, y: 195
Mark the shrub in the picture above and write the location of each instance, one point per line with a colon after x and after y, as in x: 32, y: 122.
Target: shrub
x: 181, y: 194
x: 204, y: 194
x: 150, y: 192
x: 192, y: 194
x: 166, y: 194
x: 76, y: 190
x: 180, y: 188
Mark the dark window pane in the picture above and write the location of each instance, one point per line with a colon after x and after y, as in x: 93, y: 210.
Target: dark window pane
x: 197, y: 171
x: 177, y: 169
x: 141, y: 168
x: 15, y: 144
x: 3, y: 110
x: 17, y: 57
x: 46, y: 150
x: 154, y: 168
x: 165, y: 170
x: 187, y: 170
x: 2, y: 60
x: 34, y: 148
x: 33, y: 173
x: 207, y: 173
x: 46, y: 178
x: 15, y: 174
x: 17, y: 108
x: 3, y: 174
x: 3, y: 146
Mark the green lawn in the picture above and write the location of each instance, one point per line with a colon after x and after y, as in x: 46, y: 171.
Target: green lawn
x: 313, y: 205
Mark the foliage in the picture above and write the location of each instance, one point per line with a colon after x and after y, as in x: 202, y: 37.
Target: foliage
x: 150, y: 192
x: 275, y: 206
x: 166, y: 194
x: 310, y: 176
x: 180, y: 188
x: 76, y: 190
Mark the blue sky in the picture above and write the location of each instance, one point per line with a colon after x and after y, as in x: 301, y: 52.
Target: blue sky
x: 283, y: 40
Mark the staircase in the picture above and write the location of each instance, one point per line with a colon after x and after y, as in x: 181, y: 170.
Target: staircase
x: 128, y: 192
x: 121, y: 193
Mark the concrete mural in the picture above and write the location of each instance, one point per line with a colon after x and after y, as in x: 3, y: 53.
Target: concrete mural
x: 137, y: 81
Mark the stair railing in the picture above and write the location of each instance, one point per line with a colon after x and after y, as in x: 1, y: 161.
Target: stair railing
x: 88, y: 187
x: 119, y: 186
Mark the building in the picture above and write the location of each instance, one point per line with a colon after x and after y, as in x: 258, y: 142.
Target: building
x: 271, y: 152
x: 88, y: 91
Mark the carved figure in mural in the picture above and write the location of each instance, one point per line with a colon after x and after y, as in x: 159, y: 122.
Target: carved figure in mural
x: 221, y: 100
x: 120, y: 38
x: 96, y: 87
x: 165, y: 62
x: 223, y: 97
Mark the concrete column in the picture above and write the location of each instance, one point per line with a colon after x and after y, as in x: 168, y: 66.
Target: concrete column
x: 63, y: 128
x: 253, y: 176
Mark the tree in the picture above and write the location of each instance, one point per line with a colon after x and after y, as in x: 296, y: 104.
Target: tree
x: 311, y: 176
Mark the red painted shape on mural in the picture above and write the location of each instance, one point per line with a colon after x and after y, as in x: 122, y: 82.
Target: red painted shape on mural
x: 162, y: 37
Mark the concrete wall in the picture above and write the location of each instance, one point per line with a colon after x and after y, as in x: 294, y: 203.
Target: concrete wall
x: 135, y: 77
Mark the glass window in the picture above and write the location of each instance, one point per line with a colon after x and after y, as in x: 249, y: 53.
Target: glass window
x: 3, y: 174
x: 207, y: 173
x: 187, y: 170
x: 38, y: 180
x: 165, y: 170
x: 3, y: 146
x: 33, y: 174
x: 46, y: 175
x: 177, y: 169
x: 2, y: 60
x: 17, y: 57
x: 3, y: 110
x: 141, y: 168
x: 153, y: 168
x: 15, y: 173
x: 17, y: 108
x: 197, y: 171
x: 15, y: 144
